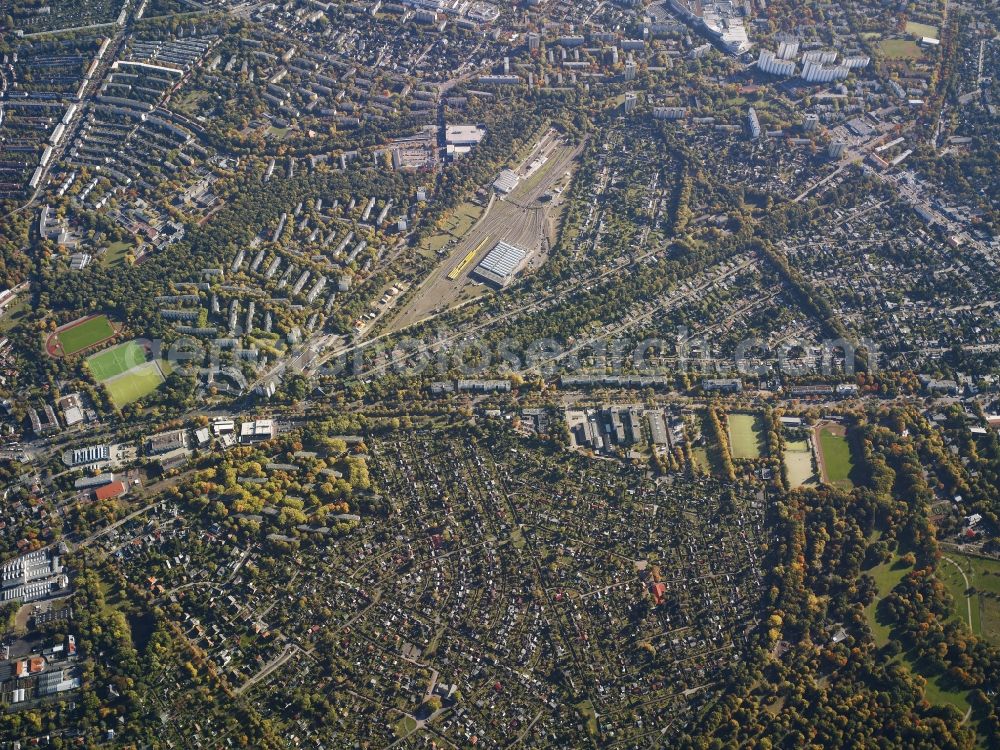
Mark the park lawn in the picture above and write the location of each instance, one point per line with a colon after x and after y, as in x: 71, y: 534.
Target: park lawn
x: 887, y: 576
x: 115, y: 254
x: 900, y: 49
x: 116, y: 360
x: 83, y: 336
x: 132, y: 385
x: 836, y: 457
x: 746, y: 435
x: 466, y: 215
x: 989, y: 618
x: 799, y: 463
x: 940, y: 696
x: 921, y: 29
x: 433, y: 244
x: 984, y: 577
x: 189, y: 101
x: 405, y: 726
x: 454, y: 226
x: 701, y: 462
x: 950, y: 576
x: 15, y: 312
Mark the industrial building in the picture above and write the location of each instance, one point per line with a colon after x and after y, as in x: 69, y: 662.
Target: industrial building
x: 258, y: 431
x: 506, y: 182
x: 90, y: 455
x: 501, y: 264
x: 33, y: 576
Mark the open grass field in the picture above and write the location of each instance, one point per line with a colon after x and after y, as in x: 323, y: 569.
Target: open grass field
x: 799, y: 463
x: 453, y: 227
x: 79, y: 335
x: 16, y: 312
x: 405, y: 726
x: 940, y: 695
x: 937, y: 690
x: 115, y: 254
x: 835, y: 462
x: 887, y: 576
x: 746, y: 435
x: 133, y: 385
x: 701, y: 462
x: 921, y: 29
x: 900, y: 49
x: 116, y: 360
x: 984, y: 578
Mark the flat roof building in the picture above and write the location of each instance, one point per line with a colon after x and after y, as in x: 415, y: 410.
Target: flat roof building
x: 165, y: 442
x: 463, y: 135
x: 500, y: 264
x: 258, y: 431
x: 506, y: 182
x: 90, y: 455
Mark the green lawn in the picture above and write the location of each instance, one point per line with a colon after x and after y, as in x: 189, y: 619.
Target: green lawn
x: 836, y: 457
x: 701, y: 462
x: 404, y: 726
x: 465, y: 217
x: 900, y: 49
x: 86, y: 334
x: 939, y: 696
x: 16, y: 312
x: 115, y: 254
x: 984, y: 578
x: 799, y: 462
x: 138, y: 382
x: 951, y: 576
x: 116, y: 360
x: 746, y: 435
x: 887, y: 576
x: 921, y: 29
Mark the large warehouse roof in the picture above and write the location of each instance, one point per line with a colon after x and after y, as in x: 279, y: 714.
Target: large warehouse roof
x: 505, y: 182
x: 501, y: 263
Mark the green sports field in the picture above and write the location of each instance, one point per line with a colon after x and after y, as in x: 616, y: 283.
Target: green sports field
x: 798, y: 460
x: 746, y: 435
x: 900, y: 49
x: 79, y: 337
x: 921, y: 29
x: 116, y: 360
x: 133, y: 385
x: 836, y: 456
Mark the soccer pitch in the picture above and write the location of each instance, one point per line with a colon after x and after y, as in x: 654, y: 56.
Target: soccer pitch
x: 132, y: 385
x: 78, y: 337
x: 746, y: 436
x: 116, y: 360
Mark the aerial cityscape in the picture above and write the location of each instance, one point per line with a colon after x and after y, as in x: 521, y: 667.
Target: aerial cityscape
x: 507, y: 374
